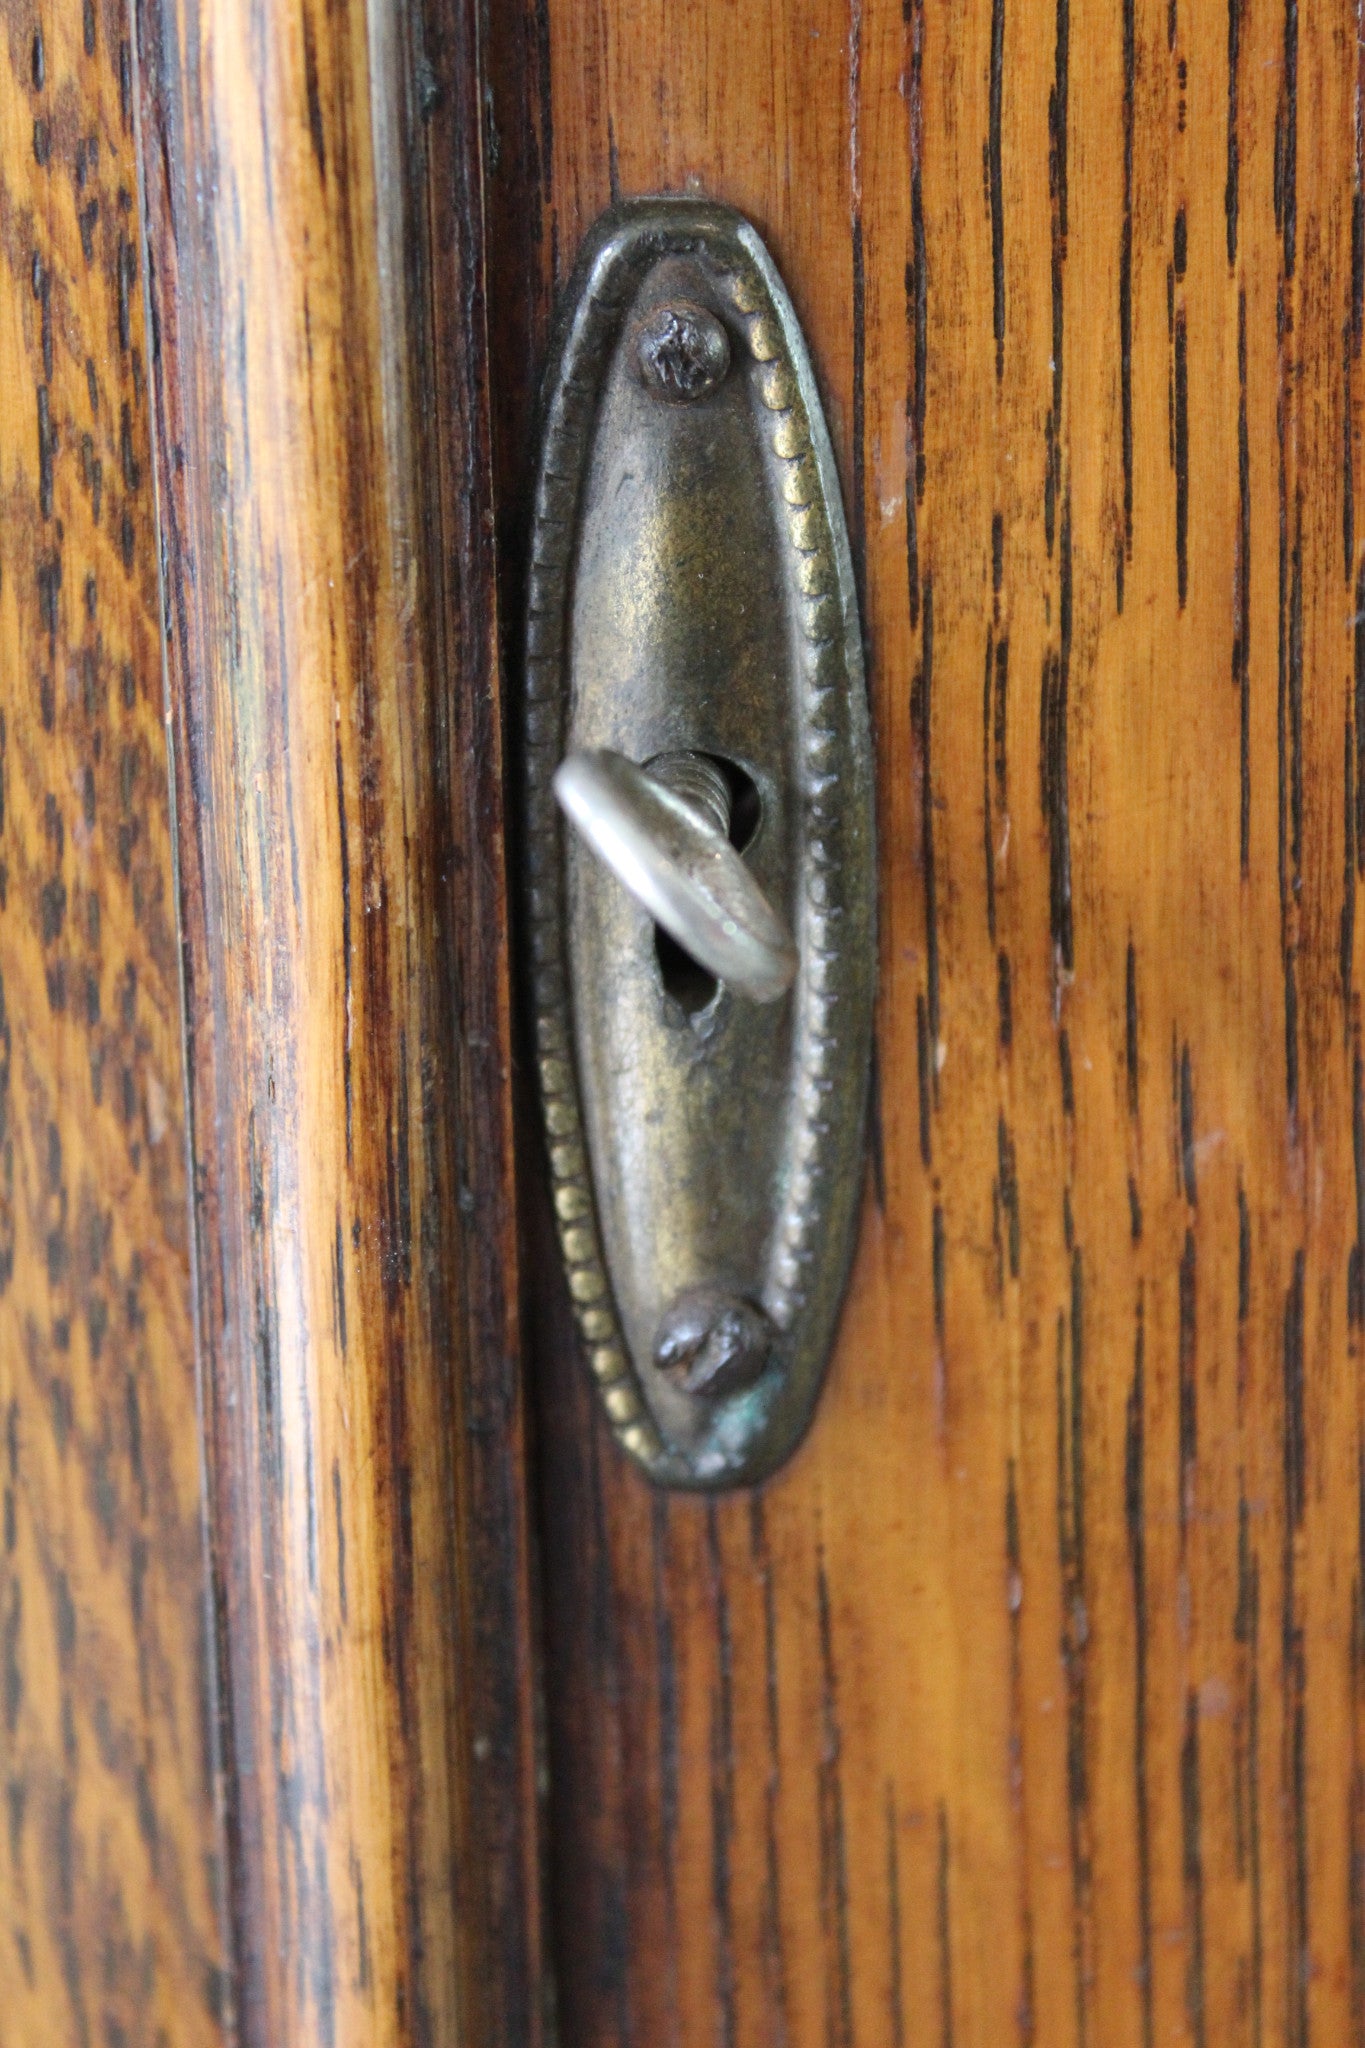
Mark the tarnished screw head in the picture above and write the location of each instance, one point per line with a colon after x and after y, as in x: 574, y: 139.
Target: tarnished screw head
x: 683, y: 352
x: 712, y: 1342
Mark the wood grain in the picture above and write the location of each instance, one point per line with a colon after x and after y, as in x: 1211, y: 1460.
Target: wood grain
x: 109, y: 1865
x: 315, y: 261
x: 1028, y: 1703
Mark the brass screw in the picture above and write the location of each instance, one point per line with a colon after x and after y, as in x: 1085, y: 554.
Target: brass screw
x: 711, y: 1342
x: 683, y: 352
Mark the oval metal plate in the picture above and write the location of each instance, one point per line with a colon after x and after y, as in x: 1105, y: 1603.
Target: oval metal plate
x: 691, y: 588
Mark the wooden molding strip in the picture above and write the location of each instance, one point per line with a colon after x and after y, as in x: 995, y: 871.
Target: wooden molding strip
x: 321, y: 457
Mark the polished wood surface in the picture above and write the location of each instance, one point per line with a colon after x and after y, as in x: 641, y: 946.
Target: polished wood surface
x: 110, y: 1874
x: 1027, y: 1703
x: 321, y: 458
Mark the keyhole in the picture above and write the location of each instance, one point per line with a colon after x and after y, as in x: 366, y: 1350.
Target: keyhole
x: 690, y: 985
x: 746, y: 805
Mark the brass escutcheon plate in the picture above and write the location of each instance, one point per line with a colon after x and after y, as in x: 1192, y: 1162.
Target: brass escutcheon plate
x: 691, y: 596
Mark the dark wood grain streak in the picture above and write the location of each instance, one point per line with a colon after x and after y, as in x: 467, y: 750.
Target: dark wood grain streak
x: 1356, y: 1876
x: 312, y: 185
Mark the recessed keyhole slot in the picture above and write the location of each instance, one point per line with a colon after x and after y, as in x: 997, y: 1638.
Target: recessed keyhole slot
x: 699, y: 779
x: 690, y: 986
x: 746, y: 805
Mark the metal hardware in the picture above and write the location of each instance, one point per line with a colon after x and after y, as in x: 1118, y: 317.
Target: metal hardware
x: 695, y: 701
x: 672, y: 851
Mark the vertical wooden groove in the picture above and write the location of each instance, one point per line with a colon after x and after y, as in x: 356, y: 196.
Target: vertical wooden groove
x: 312, y: 190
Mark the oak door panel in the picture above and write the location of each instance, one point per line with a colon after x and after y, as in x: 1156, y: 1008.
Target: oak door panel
x: 1026, y: 1704
x: 266, y: 1675
x: 110, y: 1872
